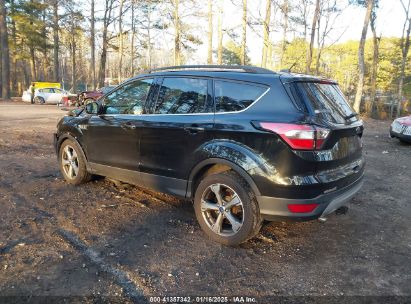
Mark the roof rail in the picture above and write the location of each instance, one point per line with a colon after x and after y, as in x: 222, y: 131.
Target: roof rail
x: 237, y: 68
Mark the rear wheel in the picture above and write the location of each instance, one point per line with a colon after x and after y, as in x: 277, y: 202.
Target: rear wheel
x: 39, y: 100
x: 72, y: 163
x: 227, y: 209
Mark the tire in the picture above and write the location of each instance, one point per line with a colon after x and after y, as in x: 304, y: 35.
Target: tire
x: 71, y: 156
x: 237, y: 219
x: 39, y: 100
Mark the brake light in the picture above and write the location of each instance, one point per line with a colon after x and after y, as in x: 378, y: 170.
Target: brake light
x: 302, y: 208
x: 298, y: 137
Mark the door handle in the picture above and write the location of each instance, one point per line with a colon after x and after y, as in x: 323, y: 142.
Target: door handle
x: 128, y: 126
x: 194, y: 129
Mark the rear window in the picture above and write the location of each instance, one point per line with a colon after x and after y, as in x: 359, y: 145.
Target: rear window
x: 233, y: 96
x: 326, y: 100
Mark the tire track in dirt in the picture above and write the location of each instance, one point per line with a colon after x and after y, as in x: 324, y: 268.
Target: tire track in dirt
x: 130, y: 284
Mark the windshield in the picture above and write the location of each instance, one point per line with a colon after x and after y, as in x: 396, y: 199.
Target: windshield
x: 327, y: 100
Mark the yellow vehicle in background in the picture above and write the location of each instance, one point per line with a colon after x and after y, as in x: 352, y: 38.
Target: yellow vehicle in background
x: 42, y: 85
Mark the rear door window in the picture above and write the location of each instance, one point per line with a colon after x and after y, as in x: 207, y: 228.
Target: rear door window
x: 326, y: 100
x: 234, y: 96
x: 181, y: 95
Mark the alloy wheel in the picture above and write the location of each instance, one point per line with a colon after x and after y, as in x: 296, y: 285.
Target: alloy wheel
x: 222, y: 209
x: 70, y: 162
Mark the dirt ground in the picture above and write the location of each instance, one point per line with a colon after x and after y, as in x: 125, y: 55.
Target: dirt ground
x: 117, y: 243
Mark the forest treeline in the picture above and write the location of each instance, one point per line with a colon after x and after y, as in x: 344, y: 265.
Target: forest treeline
x: 85, y: 44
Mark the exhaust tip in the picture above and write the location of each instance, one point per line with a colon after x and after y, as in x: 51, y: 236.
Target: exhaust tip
x: 322, y: 219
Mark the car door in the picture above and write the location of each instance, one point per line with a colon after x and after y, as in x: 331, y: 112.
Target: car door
x: 180, y: 120
x: 112, y: 138
x: 44, y: 93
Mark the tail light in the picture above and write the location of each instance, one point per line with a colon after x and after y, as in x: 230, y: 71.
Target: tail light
x: 298, y: 137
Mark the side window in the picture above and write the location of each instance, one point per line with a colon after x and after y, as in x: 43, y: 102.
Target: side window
x: 129, y: 99
x: 233, y: 96
x: 182, y: 96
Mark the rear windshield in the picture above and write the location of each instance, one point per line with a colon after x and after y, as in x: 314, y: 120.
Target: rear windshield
x: 326, y: 100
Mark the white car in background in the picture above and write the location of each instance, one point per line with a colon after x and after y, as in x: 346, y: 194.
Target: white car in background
x: 47, y: 95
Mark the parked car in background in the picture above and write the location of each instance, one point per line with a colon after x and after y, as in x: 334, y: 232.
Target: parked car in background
x: 401, y: 129
x: 90, y: 96
x: 245, y: 144
x: 47, y: 95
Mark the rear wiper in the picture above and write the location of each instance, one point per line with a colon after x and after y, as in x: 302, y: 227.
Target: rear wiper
x: 350, y: 116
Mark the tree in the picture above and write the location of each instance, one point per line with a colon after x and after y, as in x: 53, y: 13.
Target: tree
x: 28, y: 17
x: 405, y: 46
x: 361, y: 61
x: 56, y: 46
x: 72, y: 30
x: 107, y: 20
x: 285, y: 11
x: 4, y: 47
x: 329, y: 13
x: 374, y: 67
x: 244, y: 34
x: 120, y: 37
x: 232, y: 54
x: 220, y: 35
x: 266, y: 28
x: 210, y: 33
x: 177, y: 34
x: 93, y: 44
x: 312, y: 36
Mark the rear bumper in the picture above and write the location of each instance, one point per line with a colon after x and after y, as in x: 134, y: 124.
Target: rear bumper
x: 273, y: 209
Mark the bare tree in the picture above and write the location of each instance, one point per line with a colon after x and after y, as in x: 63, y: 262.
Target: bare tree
x: 285, y: 8
x: 56, y: 44
x: 312, y: 36
x: 361, y: 60
x: 177, y: 34
x: 374, y: 68
x: 329, y: 13
x: 93, y: 44
x: 210, y: 32
x: 244, y: 35
x: 120, y: 37
x: 107, y: 20
x: 4, y: 47
x: 405, y: 46
x: 266, y: 28
x: 220, y: 35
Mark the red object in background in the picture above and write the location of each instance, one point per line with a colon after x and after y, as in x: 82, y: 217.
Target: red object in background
x: 65, y: 101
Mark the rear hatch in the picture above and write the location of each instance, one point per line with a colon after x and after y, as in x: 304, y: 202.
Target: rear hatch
x: 339, y: 160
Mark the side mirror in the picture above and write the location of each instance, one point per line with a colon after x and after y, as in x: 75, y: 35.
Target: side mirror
x: 93, y: 108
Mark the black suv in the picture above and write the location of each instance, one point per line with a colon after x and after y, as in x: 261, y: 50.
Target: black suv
x: 244, y: 143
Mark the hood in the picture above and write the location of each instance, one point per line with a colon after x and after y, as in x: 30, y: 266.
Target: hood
x: 406, y: 121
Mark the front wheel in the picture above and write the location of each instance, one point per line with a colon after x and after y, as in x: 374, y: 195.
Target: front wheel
x: 227, y: 209
x: 72, y: 163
